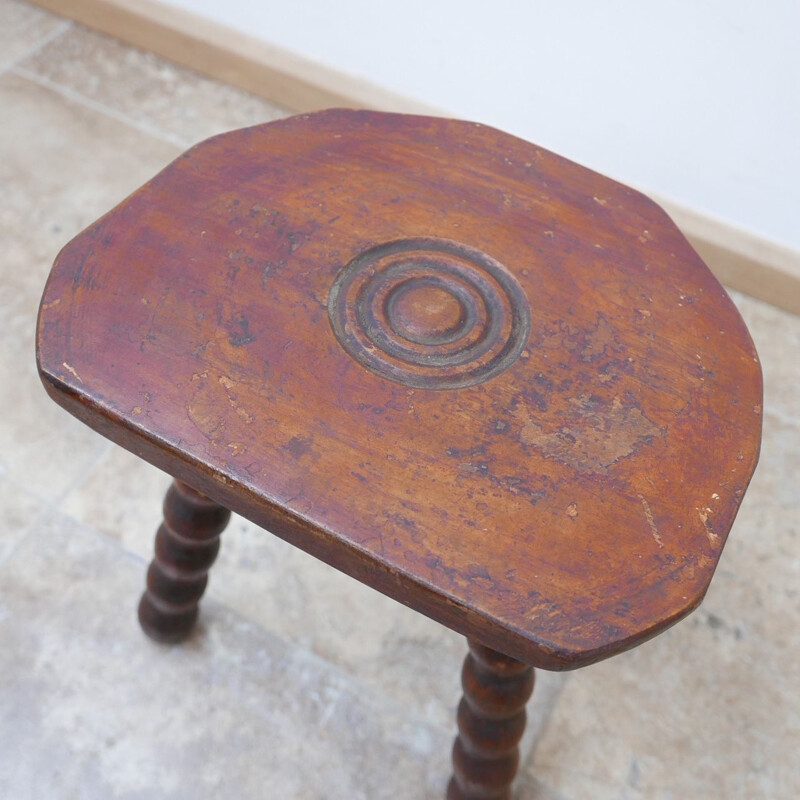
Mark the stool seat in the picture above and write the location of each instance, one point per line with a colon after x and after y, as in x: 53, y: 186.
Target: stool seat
x: 486, y: 381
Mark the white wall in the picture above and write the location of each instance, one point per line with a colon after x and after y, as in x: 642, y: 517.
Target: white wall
x: 695, y: 100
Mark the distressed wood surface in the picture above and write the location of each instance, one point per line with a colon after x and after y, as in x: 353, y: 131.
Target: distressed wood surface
x: 491, y: 383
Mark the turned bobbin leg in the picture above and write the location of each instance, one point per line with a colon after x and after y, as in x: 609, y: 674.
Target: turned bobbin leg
x: 491, y: 721
x: 187, y: 542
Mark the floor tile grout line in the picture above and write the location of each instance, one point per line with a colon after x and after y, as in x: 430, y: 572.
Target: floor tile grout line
x: 77, y: 482
x: 53, y: 509
x: 211, y: 599
x: 343, y: 673
x: 60, y: 29
x: 118, y: 116
x: 28, y: 530
x: 47, y: 510
x: 297, y: 649
x: 52, y: 506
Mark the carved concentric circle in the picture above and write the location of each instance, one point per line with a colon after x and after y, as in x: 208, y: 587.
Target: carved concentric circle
x: 429, y: 313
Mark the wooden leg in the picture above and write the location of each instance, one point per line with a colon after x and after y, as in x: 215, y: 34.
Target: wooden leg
x: 491, y: 721
x: 187, y: 542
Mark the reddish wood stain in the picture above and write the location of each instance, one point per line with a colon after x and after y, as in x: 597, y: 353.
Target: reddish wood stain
x: 529, y: 411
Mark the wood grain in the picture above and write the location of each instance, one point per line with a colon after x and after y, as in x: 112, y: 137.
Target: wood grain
x: 539, y: 415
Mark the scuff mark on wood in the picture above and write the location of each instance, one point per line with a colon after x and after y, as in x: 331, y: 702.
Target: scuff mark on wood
x: 648, y: 512
x: 71, y: 370
x: 228, y: 384
x: 704, y: 513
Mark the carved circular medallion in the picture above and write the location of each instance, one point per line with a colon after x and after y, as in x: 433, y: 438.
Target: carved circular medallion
x: 429, y: 313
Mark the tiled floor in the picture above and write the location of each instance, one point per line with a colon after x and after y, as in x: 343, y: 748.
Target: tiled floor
x: 300, y: 683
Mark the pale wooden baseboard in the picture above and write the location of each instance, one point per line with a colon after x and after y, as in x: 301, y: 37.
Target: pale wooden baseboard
x: 229, y: 55
x: 753, y: 265
x: 742, y: 261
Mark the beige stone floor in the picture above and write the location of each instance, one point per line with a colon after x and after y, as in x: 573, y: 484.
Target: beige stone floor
x: 299, y: 682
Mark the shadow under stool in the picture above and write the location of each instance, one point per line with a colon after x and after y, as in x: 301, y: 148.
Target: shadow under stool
x: 494, y: 385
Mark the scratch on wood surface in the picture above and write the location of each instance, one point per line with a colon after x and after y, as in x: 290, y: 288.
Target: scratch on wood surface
x: 651, y: 522
x: 72, y: 370
x: 703, y: 514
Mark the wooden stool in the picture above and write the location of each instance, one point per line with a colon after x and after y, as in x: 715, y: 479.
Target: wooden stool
x: 490, y: 383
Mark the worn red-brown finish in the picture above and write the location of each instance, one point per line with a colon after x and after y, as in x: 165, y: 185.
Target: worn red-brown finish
x: 491, y: 722
x: 490, y: 383
x: 187, y: 543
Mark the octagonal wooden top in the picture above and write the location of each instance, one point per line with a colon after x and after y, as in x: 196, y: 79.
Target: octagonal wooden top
x: 491, y: 383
